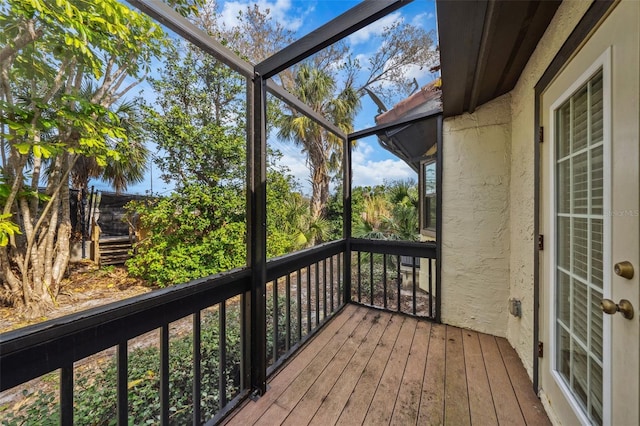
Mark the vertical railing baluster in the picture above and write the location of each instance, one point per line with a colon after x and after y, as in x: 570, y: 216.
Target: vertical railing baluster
x: 340, y: 279
x: 164, y: 375
x: 288, y: 313
x: 324, y: 287
x: 317, y: 274
x: 299, y: 297
x: 398, y: 280
x: 371, y: 277
x: 359, y: 279
x: 430, y: 290
x: 222, y: 348
x: 331, y: 282
x: 308, y: 299
x: 275, y: 320
x: 384, y: 279
x: 66, y: 395
x: 413, y: 270
x: 122, y: 384
x: 197, y: 368
x: 245, y: 340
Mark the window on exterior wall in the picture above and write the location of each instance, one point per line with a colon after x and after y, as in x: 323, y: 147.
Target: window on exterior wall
x: 429, y: 197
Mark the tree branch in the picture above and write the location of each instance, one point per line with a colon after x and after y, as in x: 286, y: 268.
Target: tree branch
x: 30, y: 35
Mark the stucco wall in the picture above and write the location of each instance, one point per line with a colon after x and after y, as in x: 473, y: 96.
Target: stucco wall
x: 522, y: 209
x: 475, y: 218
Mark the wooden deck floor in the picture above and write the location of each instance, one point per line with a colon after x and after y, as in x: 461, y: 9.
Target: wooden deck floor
x: 371, y: 367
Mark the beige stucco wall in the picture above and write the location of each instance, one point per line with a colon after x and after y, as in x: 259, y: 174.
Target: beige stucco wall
x: 475, y: 218
x: 488, y: 209
x: 521, y: 193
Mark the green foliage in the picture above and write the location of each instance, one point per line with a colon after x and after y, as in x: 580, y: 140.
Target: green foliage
x: 387, y: 211
x: 290, y: 225
x: 7, y: 229
x: 197, y: 122
x: 64, y: 65
x: 191, y: 234
x: 69, y: 40
x: 95, y: 388
x: 198, y: 119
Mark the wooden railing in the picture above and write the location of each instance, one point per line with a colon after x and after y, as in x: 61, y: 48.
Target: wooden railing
x: 304, y: 290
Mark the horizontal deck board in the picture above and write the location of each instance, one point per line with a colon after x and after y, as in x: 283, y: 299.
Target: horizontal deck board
x: 334, y: 403
x: 480, y: 398
x: 408, y: 401
x: 506, y: 404
x: 372, y: 367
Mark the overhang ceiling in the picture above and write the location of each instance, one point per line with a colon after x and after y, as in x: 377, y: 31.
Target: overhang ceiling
x: 484, y: 46
x: 413, y: 141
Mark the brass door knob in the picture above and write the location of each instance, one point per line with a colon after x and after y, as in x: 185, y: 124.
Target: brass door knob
x: 624, y: 307
x: 624, y: 269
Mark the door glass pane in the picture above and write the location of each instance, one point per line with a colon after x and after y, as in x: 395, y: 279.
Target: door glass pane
x: 580, y: 184
x: 595, y: 408
x: 596, y: 110
x: 597, y: 162
x: 580, y: 239
x: 579, y: 245
x: 563, y: 127
x: 580, y: 121
x: 563, y: 236
x: 596, y: 324
x: 564, y: 299
x: 564, y: 181
x: 596, y: 252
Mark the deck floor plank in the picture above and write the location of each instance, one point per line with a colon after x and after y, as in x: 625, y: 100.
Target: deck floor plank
x: 529, y: 403
x: 332, y: 406
x: 456, y: 397
x: 432, y: 397
x: 506, y: 404
x: 384, y: 400
x: 408, y: 401
x: 306, y: 378
x: 359, y: 401
x: 480, y: 398
x: 252, y: 410
x: 306, y: 408
x: 372, y: 367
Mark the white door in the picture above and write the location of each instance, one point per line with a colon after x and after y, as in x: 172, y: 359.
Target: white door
x: 590, y: 372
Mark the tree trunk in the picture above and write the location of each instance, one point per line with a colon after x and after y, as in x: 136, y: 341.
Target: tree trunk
x: 319, y: 183
x: 44, y: 242
x: 319, y: 180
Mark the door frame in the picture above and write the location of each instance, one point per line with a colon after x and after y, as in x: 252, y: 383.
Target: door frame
x: 603, y: 62
x: 596, y: 13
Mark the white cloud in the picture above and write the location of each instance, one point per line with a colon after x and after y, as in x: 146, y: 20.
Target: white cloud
x: 280, y: 10
x: 372, y: 30
x: 362, y: 58
x: 296, y: 161
x: 420, y: 20
x: 414, y: 71
x: 367, y: 171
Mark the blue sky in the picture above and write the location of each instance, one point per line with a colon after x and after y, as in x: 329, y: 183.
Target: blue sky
x: 371, y: 164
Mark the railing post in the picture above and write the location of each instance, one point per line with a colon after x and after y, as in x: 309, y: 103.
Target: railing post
x: 346, y: 219
x: 256, y: 231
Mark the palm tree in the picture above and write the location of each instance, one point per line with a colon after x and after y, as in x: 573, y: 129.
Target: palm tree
x: 318, y: 89
x: 392, y: 215
x: 130, y: 163
x: 403, y: 196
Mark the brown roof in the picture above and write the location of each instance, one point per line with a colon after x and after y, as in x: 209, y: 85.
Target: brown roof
x: 429, y: 92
